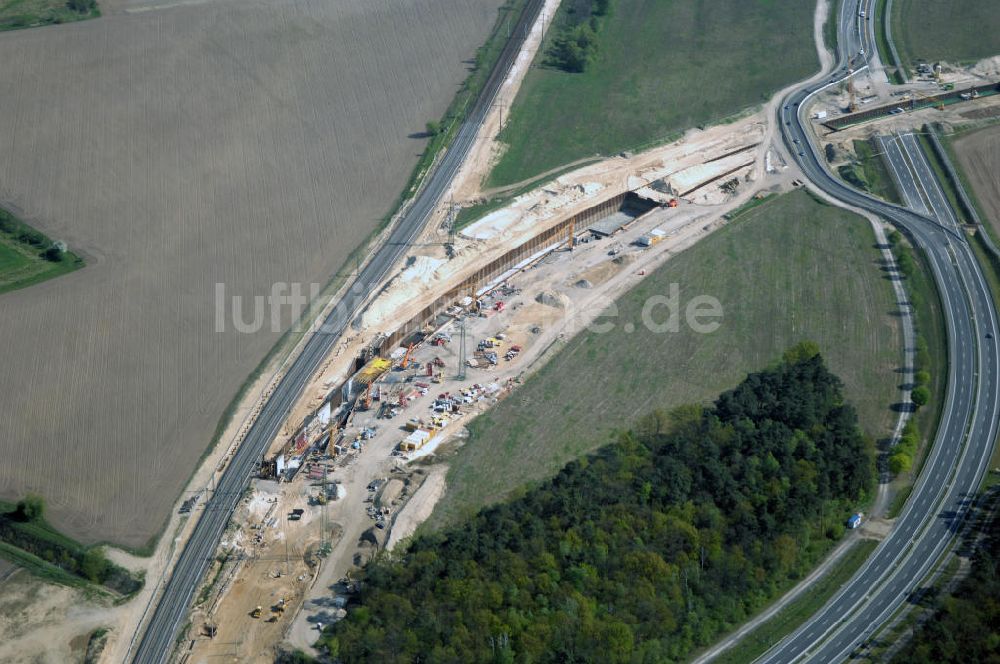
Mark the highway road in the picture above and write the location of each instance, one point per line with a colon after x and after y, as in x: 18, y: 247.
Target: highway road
x: 171, y: 610
x: 899, y: 167
x: 865, y: 26
x: 951, y: 473
x: 931, y: 191
x: 962, y: 447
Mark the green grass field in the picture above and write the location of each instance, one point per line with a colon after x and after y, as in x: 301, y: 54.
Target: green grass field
x: 867, y: 171
x: 663, y: 66
x: 21, y: 266
x: 958, y: 31
x: 786, y: 271
x: 17, y: 14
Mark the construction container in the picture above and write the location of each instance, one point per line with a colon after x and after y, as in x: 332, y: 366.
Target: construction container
x: 655, y: 236
x: 416, y: 439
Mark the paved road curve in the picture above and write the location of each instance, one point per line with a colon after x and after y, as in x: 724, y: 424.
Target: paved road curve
x: 172, y: 608
x: 968, y: 427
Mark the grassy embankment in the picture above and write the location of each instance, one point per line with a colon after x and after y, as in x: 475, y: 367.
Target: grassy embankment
x: 830, y: 36
x: 958, y: 31
x: 565, y: 82
x: 931, y: 357
x: 16, y: 14
x: 787, y: 270
x: 882, y: 43
x: 23, y: 259
x: 867, y: 171
x: 28, y: 540
x: 659, y: 68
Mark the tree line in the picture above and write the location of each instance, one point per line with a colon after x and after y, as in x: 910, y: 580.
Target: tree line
x: 644, y: 551
x: 963, y: 627
x: 29, y: 237
x: 905, y: 450
x: 25, y: 528
x: 575, y: 45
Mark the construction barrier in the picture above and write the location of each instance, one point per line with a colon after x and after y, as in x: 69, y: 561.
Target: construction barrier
x: 912, y: 104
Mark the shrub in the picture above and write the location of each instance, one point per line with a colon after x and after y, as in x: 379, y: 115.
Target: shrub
x: 900, y: 462
x: 30, y: 236
x: 30, y: 508
x: 94, y: 565
x: 920, y: 395
x: 905, y: 263
x: 82, y: 6
x: 574, y: 49
x: 53, y: 253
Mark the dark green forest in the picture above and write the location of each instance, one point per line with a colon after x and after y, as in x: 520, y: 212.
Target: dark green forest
x: 964, y: 627
x: 642, y: 552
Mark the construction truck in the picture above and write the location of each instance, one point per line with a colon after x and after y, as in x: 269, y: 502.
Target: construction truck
x: 256, y: 613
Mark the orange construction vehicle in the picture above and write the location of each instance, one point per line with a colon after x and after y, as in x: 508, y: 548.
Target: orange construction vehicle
x: 406, y: 358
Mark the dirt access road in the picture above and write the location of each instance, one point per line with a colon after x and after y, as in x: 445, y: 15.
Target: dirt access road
x: 553, y: 280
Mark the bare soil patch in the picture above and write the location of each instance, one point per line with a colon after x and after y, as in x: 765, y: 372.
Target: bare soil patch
x: 42, y: 623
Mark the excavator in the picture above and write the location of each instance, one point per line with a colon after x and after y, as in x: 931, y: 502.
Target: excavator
x: 406, y: 358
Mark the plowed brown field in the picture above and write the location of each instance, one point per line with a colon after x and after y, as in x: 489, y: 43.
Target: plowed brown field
x: 979, y: 156
x: 176, y: 145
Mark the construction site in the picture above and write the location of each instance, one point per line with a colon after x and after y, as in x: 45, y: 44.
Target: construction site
x: 464, y: 319
x: 855, y: 120
x: 455, y: 331
x: 868, y: 96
